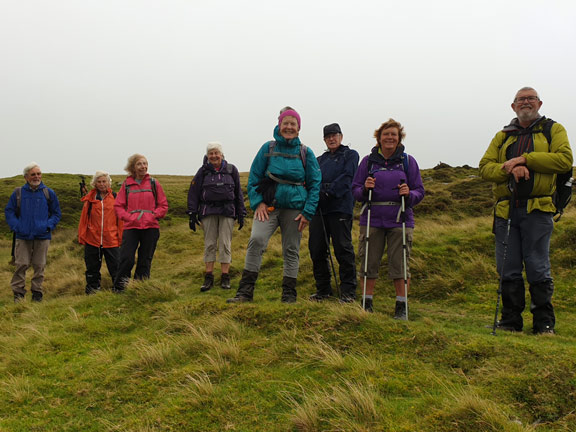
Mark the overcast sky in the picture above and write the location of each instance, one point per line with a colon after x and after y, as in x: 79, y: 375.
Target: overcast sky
x: 86, y: 83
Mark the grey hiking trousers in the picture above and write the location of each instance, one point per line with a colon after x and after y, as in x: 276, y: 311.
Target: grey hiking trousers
x: 260, y: 236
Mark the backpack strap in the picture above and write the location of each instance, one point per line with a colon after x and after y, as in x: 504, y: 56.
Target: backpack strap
x: 301, y: 155
x: 153, y: 190
x: 18, y: 191
x: 405, y: 165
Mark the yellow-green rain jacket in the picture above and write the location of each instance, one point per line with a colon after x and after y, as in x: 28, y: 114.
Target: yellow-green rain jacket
x: 544, y: 163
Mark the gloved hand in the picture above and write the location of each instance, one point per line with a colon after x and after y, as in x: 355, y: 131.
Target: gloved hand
x: 193, y: 221
x: 240, y: 222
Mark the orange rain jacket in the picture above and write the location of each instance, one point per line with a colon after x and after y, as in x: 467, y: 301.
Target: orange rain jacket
x: 99, y: 225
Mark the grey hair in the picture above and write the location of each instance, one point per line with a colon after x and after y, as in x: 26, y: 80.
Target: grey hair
x: 286, y: 108
x: 29, y: 168
x: 99, y: 174
x: 214, y: 145
x: 526, y: 89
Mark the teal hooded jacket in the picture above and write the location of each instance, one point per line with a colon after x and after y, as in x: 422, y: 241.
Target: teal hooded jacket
x: 303, y: 196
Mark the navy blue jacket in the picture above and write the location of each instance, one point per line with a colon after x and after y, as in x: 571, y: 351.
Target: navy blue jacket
x: 215, y: 192
x: 338, y: 171
x: 37, y: 218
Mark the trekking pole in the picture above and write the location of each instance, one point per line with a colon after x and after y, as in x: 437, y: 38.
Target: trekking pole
x: 13, y: 256
x: 329, y: 252
x: 404, y: 249
x: 369, y: 206
x: 504, y: 253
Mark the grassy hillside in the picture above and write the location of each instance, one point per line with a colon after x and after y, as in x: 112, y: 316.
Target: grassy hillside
x: 165, y: 357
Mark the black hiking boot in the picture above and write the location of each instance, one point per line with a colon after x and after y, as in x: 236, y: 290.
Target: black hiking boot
x: 245, y: 291
x: 208, y: 282
x: 225, y: 281
x: 18, y: 297
x: 36, y: 296
x: 92, y: 289
x: 400, y: 311
x: 317, y: 297
x: 368, y: 305
x: 508, y: 325
x: 288, y: 290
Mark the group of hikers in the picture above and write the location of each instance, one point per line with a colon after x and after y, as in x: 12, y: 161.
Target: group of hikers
x: 289, y: 188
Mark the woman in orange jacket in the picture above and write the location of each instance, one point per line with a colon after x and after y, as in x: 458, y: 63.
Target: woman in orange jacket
x: 100, y: 231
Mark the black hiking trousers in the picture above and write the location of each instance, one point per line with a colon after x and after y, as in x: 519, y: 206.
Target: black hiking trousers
x: 339, y: 232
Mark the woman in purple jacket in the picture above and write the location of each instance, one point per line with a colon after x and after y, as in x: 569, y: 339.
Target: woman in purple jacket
x: 215, y: 200
x: 390, y: 173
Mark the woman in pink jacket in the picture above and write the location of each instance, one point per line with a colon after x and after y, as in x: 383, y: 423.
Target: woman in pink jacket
x: 140, y: 203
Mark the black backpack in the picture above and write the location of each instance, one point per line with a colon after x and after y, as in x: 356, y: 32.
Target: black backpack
x: 563, y: 193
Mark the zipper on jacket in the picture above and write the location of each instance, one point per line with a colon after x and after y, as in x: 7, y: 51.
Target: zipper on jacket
x: 102, y: 224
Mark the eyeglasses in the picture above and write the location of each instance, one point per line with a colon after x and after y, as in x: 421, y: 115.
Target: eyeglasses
x: 526, y: 98
x: 329, y: 137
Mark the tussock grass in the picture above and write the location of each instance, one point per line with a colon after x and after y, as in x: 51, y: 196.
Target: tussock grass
x: 18, y: 388
x: 348, y: 406
x: 165, y: 357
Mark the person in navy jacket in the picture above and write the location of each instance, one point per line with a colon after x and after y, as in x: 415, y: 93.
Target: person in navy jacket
x: 32, y: 213
x: 333, y: 220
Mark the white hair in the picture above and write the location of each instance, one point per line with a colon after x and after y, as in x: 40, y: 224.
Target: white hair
x: 30, y: 167
x: 214, y: 145
x: 99, y: 174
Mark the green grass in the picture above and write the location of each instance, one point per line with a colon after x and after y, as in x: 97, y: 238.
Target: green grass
x: 165, y: 357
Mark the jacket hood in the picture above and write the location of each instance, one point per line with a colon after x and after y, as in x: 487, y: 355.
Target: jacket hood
x: 91, y: 196
x: 376, y: 156
x: 515, y: 124
x: 280, y: 139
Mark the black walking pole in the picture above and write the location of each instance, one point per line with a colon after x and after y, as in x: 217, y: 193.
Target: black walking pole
x: 329, y: 253
x: 404, y: 249
x: 369, y: 205
x: 505, y: 252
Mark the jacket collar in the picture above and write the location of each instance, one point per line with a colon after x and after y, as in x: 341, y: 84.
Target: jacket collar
x: 208, y: 166
x: 295, y: 142
x: 376, y: 156
x: 515, y: 124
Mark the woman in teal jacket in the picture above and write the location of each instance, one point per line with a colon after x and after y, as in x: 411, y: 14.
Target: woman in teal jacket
x: 283, y: 188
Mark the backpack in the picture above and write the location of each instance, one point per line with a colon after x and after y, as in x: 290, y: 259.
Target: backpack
x: 153, y: 190
x: 563, y: 193
x: 301, y: 155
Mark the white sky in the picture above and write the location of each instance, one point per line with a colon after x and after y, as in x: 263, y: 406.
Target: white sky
x: 86, y: 83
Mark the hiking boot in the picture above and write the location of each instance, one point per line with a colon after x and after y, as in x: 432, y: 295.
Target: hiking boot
x: 400, y: 311
x: 245, y: 291
x: 36, y: 296
x: 288, y: 290
x: 317, y: 297
x: 18, y: 297
x: 347, y: 299
x: 208, y: 282
x: 92, y: 290
x: 369, y: 305
x: 544, y: 331
x: 507, y: 326
x: 225, y: 281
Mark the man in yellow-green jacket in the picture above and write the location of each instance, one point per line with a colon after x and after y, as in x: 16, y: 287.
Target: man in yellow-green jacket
x: 523, y: 160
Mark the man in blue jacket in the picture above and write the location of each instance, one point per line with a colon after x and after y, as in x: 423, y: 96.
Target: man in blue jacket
x: 333, y: 220
x: 32, y: 213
